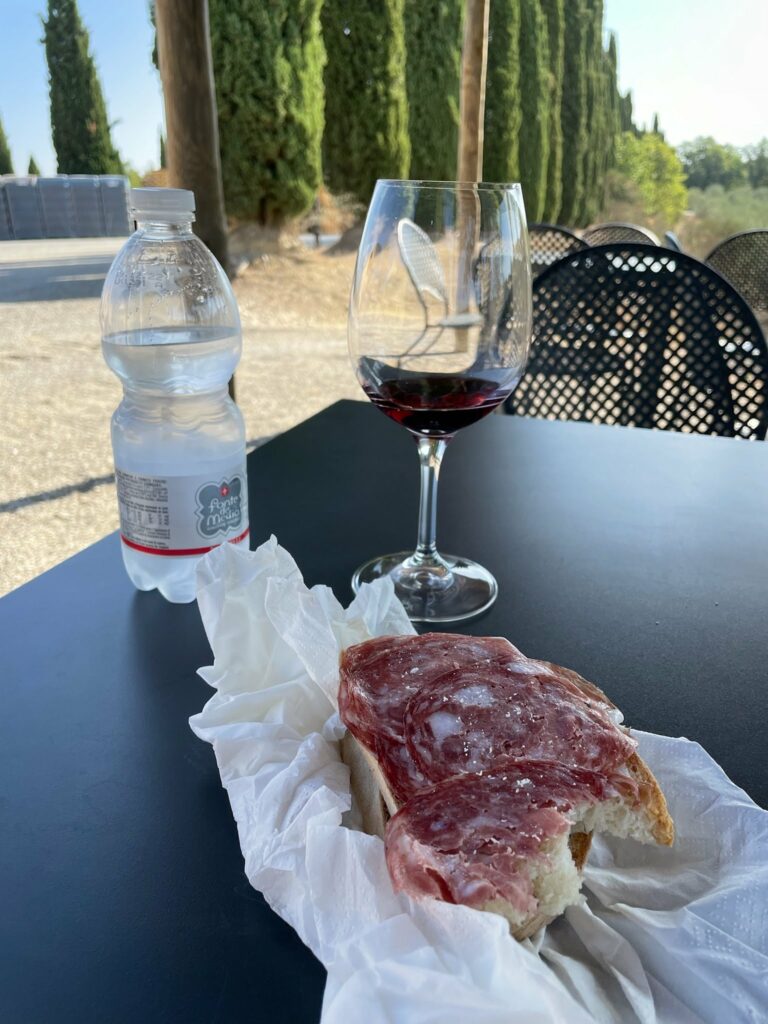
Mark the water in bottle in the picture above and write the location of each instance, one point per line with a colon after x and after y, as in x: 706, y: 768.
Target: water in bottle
x: 171, y: 333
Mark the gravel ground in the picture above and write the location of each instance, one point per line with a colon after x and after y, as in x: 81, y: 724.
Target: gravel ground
x: 57, y: 395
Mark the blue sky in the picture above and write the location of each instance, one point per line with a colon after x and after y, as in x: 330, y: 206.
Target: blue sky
x: 121, y: 41
x: 699, y: 63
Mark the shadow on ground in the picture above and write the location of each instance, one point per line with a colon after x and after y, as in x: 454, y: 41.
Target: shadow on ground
x: 83, y: 486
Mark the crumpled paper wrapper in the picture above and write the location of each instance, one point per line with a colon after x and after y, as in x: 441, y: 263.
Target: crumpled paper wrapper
x: 663, y: 935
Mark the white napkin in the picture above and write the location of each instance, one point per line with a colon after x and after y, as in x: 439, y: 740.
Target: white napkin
x: 664, y: 935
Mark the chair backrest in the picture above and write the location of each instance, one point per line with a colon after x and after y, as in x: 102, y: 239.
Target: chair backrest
x: 421, y: 261
x: 487, y: 268
x: 641, y: 336
x: 549, y: 243
x: 605, y: 234
x: 673, y: 242
x: 743, y: 260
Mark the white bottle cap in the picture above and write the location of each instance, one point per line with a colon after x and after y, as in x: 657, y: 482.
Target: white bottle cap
x: 163, y: 205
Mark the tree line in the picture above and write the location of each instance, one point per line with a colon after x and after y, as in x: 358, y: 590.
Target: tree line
x: 343, y: 92
x: 374, y: 92
x: 6, y: 163
x: 335, y: 91
x: 707, y: 162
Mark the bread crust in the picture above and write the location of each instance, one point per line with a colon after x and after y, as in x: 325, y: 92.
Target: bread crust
x: 368, y: 787
x: 653, y: 800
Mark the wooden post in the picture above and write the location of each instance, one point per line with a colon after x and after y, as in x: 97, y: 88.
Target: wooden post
x: 191, y: 120
x: 474, y: 59
x: 192, y: 143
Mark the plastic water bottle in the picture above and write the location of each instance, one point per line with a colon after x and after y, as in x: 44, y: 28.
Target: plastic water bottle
x: 171, y: 333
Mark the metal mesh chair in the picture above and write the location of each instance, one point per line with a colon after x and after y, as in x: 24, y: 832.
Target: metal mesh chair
x: 549, y: 243
x: 673, y: 242
x: 422, y: 263
x: 425, y: 270
x: 743, y: 260
x: 641, y: 336
x: 606, y: 234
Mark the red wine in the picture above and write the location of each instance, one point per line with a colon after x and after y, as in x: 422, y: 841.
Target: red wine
x: 433, y: 404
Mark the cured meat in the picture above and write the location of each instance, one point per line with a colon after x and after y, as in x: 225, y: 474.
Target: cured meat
x: 498, y: 768
x: 473, y: 838
x: 577, y: 684
x: 478, y: 720
x: 380, y: 676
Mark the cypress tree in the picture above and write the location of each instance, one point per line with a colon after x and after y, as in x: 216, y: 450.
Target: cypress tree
x: 574, y: 112
x: 610, y: 111
x: 554, y: 13
x: 596, y: 119
x: 625, y: 113
x: 79, y: 123
x: 503, y: 113
x: 613, y: 99
x: 33, y: 168
x: 606, y: 158
x: 613, y: 102
x: 163, y: 159
x: 433, y: 32
x: 593, y: 128
x: 6, y: 163
x: 366, y: 104
x: 534, y: 104
x: 268, y: 65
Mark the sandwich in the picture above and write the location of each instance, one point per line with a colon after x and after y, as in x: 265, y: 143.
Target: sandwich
x: 486, y: 773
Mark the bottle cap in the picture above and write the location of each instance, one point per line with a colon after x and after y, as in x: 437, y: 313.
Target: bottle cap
x: 165, y: 205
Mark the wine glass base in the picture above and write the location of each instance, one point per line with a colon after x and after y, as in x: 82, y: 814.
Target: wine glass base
x: 452, y: 590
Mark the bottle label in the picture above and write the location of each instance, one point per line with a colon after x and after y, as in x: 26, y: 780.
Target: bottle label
x: 183, y: 515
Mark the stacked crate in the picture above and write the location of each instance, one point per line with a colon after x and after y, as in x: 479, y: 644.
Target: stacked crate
x: 66, y: 206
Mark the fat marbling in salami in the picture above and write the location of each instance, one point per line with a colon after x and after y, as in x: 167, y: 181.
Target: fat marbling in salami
x: 378, y: 678
x: 474, y: 720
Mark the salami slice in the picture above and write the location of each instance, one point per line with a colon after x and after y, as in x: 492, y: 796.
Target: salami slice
x: 380, y: 676
x: 473, y: 838
x: 478, y: 720
x: 578, y: 685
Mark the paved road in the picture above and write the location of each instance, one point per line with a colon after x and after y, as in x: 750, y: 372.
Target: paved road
x: 49, y: 269
x: 57, y: 395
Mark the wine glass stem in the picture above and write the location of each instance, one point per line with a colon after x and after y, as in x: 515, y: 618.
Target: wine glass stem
x: 431, y: 451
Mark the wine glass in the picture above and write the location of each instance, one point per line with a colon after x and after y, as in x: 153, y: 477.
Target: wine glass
x: 439, y: 329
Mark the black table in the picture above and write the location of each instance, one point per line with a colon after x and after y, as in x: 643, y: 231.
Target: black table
x: 639, y: 559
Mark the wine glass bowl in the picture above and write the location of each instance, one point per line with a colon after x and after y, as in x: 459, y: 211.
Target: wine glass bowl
x: 439, y: 327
